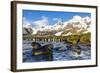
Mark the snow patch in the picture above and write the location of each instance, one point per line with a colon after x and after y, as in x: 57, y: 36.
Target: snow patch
x: 58, y: 33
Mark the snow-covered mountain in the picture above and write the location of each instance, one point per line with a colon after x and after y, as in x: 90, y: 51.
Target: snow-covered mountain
x: 27, y: 29
x: 76, y: 25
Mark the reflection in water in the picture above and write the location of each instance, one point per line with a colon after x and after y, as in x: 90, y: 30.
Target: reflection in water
x: 60, y: 52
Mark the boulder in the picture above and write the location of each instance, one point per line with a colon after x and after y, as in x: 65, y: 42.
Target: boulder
x: 76, y: 49
x: 60, y: 49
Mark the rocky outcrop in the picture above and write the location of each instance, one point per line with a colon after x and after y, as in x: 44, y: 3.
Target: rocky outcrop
x: 76, y: 49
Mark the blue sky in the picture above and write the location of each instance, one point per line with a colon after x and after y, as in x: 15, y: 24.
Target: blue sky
x: 51, y: 16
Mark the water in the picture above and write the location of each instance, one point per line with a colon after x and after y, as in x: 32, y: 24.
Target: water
x: 60, y: 52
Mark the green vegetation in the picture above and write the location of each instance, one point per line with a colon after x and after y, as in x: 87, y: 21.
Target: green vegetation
x: 73, y: 39
x: 83, y: 39
x: 86, y: 38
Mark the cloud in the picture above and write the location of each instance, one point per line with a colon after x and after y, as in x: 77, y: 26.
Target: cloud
x: 57, y: 19
x: 81, y: 22
x: 26, y: 23
x: 42, y: 23
x: 76, y: 18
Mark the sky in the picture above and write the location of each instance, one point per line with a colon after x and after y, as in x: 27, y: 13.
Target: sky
x: 49, y: 17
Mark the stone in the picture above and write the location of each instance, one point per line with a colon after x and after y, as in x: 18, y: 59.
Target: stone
x: 62, y: 49
x: 76, y: 49
x: 69, y: 46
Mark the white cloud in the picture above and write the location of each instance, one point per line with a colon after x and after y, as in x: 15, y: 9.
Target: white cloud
x: 26, y: 23
x: 59, y: 20
x: 56, y: 19
x: 42, y: 23
x: 81, y: 22
x: 76, y: 18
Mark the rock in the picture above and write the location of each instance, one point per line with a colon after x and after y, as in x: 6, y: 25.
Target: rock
x: 62, y: 48
x: 76, y: 49
x: 69, y: 46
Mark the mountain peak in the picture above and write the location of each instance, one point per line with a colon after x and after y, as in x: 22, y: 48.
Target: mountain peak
x: 77, y: 24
